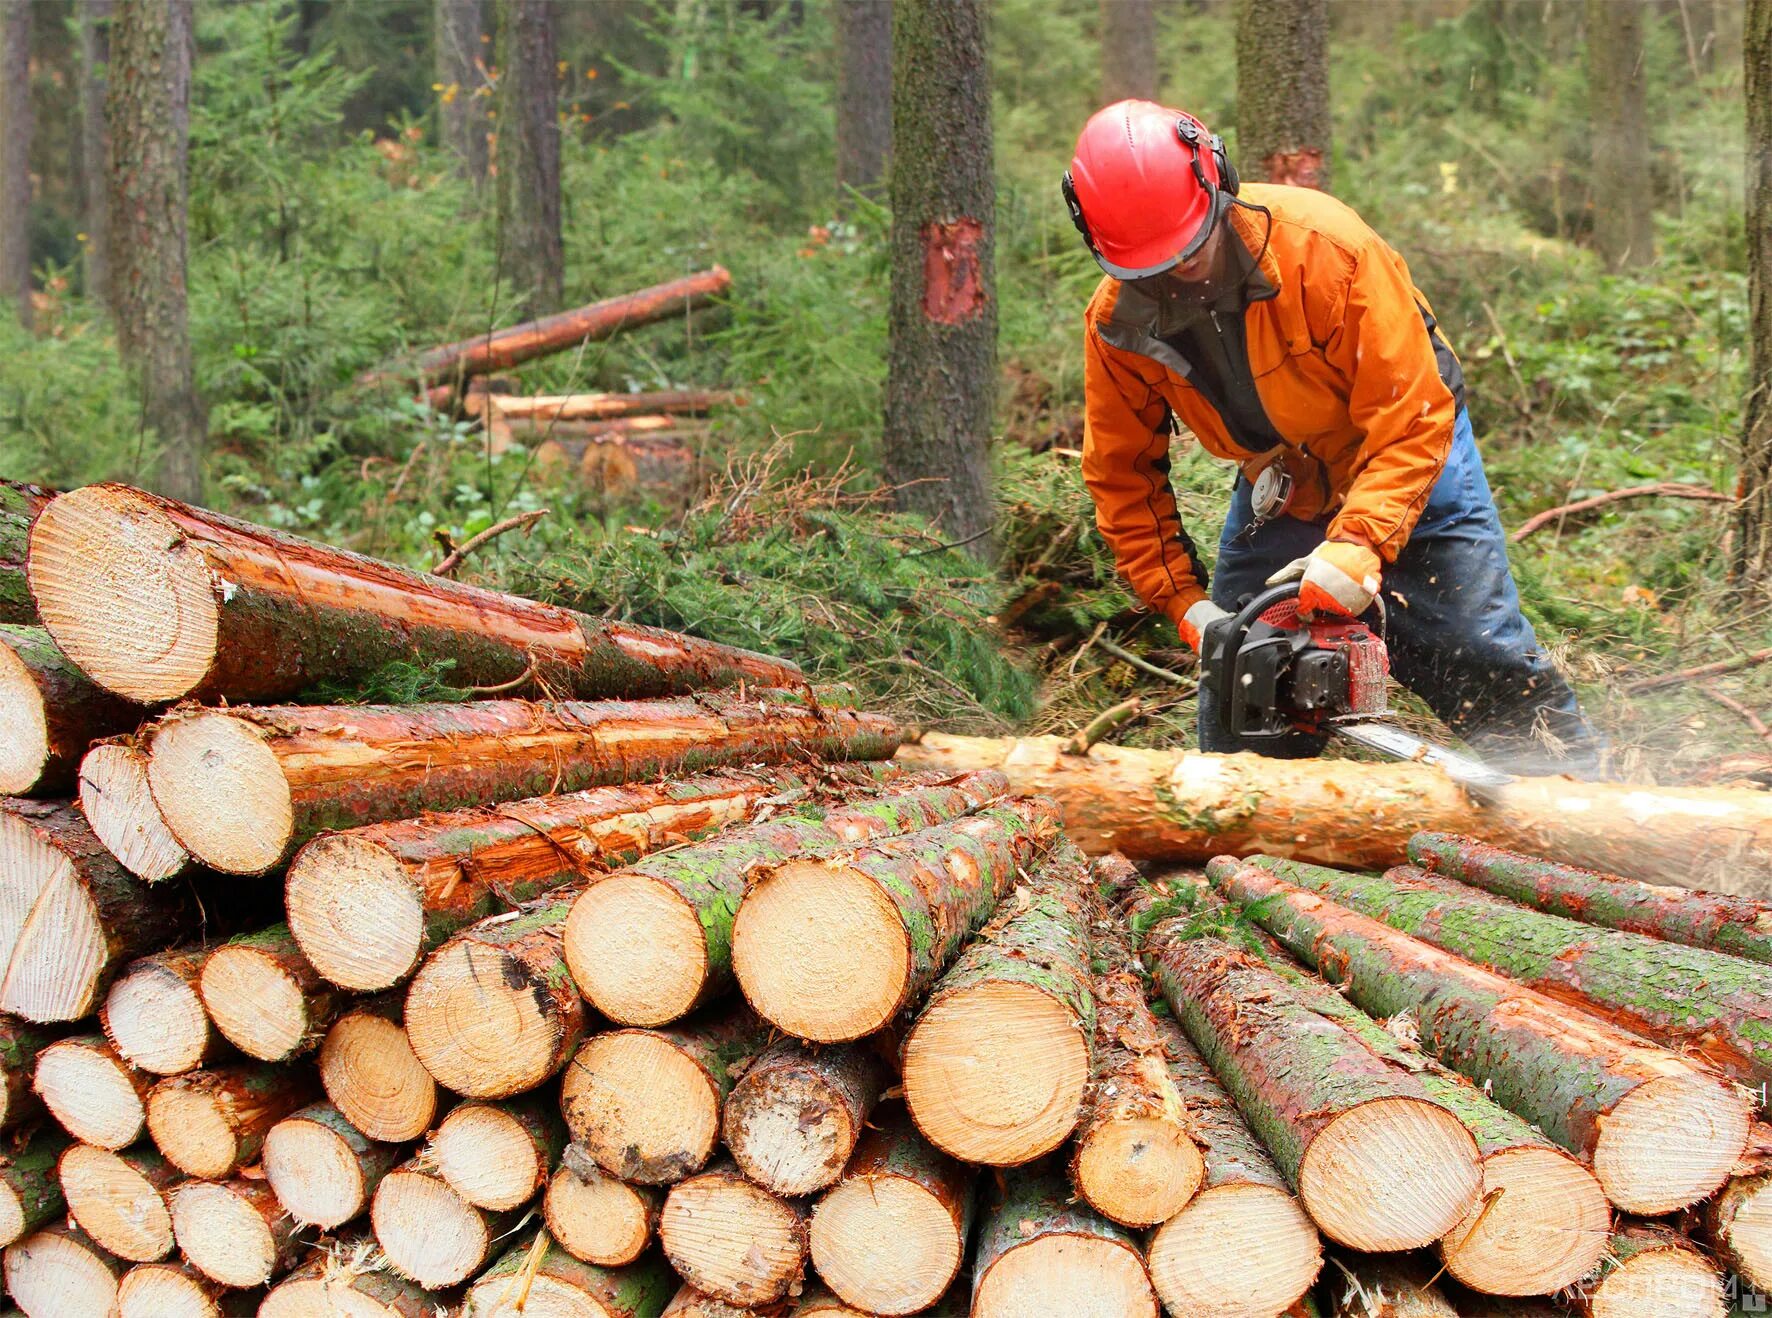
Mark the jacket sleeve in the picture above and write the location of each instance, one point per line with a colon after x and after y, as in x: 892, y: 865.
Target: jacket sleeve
x: 1397, y: 399
x: 1126, y: 467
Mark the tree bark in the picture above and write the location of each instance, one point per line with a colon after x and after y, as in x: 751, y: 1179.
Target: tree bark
x: 595, y: 1217
x: 1129, y: 68
x: 794, y: 1119
x: 1623, y: 191
x: 457, y: 27
x: 499, y: 1155
x: 234, y: 1232
x: 731, y: 1239
x: 21, y: 1044
x: 119, y: 1198
x: 147, y: 105
x: 94, y: 1094
x: 19, y: 506
x: 1283, y: 124
x: 529, y: 238
x: 154, y: 1013
x: 332, y: 1282
x: 428, y: 1233
x: 941, y: 378
x: 371, y: 1074
x: 15, y: 157
x: 572, y: 1285
x: 1649, y: 1268
x: 322, y: 1168
x: 1752, y: 558
x: 94, y: 18
x: 30, y: 1189
x: 1737, y: 1222
x: 53, y: 713
x: 864, y: 95
x: 212, y: 1123
x: 1369, y: 1287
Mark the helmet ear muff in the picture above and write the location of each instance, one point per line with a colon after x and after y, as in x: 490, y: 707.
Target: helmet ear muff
x: 1227, y: 172
x: 1069, y: 187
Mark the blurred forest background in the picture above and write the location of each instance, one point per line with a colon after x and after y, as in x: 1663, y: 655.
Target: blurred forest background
x: 346, y: 205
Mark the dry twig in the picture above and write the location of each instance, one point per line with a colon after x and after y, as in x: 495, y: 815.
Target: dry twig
x: 1729, y: 702
x: 454, y: 558
x: 1739, y: 662
x: 1666, y: 489
x: 1109, y: 720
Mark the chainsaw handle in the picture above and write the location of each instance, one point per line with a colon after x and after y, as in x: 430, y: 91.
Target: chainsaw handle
x: 1252, y: 611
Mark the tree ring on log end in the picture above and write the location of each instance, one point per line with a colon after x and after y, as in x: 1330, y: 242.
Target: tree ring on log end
x: 222, y: 1235
x: 487, y: 1157
x: 1237, y: 1251
x: 1097, y: 1278
x: 1395, y: 1173
x: 429, y: 1233
x: 886, y: 1244
x: 373, y: 1077
x: 89, y: 1091
x: 24, y: 725
x: 155, y: 1019
x: 1745, y: 1222
x: 1670, y: 1142
x: 117, y: 802
x: 595, y: 1217
x: 732, y: 1239
x: 115, y: 1204
x: 222, y: 792
x: 1546, y: 1230
x: 1139, y: 1171
x: 1674, y: 1282
x: 254, y: 1002
x: 643, y: 1110
x: 52, y: 943
x: 636, y: 950
x: 189, y: 1126
x: 167, y: 1290
x: 47, y: 1270
x: 789, y: 1129
x: 318, y: 1297
x: 478, y: 1024
x: 314, y: 1173
x: 355, y: 912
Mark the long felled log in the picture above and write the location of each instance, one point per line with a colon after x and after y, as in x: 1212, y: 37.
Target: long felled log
x: 371, y: 1074
x: 349, y: 1280
x: 117, y: 802
x: 594, y: 1216
x: 30, y: 1190
x: 50, y: 712
x: 154, y: 1014
x: 234, y: 1232
x: 650, y: 943
x: 1660, y: 1131
x: 241, y: 788
x: 96, y: 1096
x: 70, y: 915
x: 830, y: 948
x: 212, y: 1123
x: 177, y: 1290
x: 323, y: 1169
x: 499, y: 1155
x: 590, y: 407
x: 1740, y: 926
x: 731, y: 1239
x: 1651, y: 1270
x: 1184, y: 806
x: 19, y: 506
x: 794, y: 1118
x: 266, y: 997
x: 59, y: 1270
x: 119, y: 1199
x: 428, y: 1232
x: 524, y: 1283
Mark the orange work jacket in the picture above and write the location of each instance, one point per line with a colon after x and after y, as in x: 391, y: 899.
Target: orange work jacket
x: 1348, y: 366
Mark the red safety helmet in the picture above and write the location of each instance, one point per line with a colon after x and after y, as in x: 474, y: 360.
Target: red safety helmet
x: 1143, y: 187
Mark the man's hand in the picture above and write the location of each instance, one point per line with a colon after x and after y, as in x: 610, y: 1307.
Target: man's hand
x: 1196, y: 620
x: 1337, y: 577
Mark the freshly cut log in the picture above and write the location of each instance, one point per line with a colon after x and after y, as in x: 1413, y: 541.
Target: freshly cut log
x: 497, y: 350
x: 830, y: 948
x: 70, y: 915
x: 154, y: 1013
x: 1376, y: 1161
x: 373, y: 1077
x: 499, y: 1155
x: 323, y: 1169
x: 1377, y: 1286
x: 429, y: 1233
x: 21, y: 1044
x: 19, y: 506
x: 1740, y: 926
x: 996, y: 1066
x: 96, y: 1096
x: 349, y: 1280
x: 1739, y: 1221
x: 649, y: 944
x: 1242, y: 1247
x: 1652, y: 1272
x: 119, y: 1199
x: 117, y: 802
x: 177, y: 1290
x: 265, y: 997
x: 240, y: 789
x: 691, y: 1303
x: 522, y: 1285
x: 212, y: 1123
x: 586, y: 407
x: 50, y: 712
x: 234, y: 1232
x: 595, y: 1217
x: 1186, y: 807
x: 645, y: 1104
x: 30, y: 1190
x: 1037, y: 1253
x: 1695, y: 1001
x: 794, y: 1118
x: 58, y: 1272
x: 159, y: 601
x: 890, y: 1238
x: 1660, y: 1132
x: 731, y: 1239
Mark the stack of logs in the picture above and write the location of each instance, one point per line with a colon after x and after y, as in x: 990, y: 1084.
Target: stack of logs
x: 668, y: 992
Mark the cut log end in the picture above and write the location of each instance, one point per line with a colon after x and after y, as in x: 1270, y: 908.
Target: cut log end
x: 229, y: 1236
x: 641, y: 1108
x: 995, y: 1073
x: 356, y: 912
x: 732, y: 1239
x: 1676, y: 1282
x: 597, y: 1218
x: 1397, y: 1173
x: 60, y: 1271
x: 821, y: 952
x: 1741, y: 1219
x: 116, y: 1202
x: 636, y: 950
x: 191, y: 1127
x: 116, y: 800
x: 1541, y: 1225
x: 1080, y: 1276
x: 371, y: 1074
x: 886, y: 1244
x: 155, y: 1018
x: 789, y: 1130
x: 255, y: 1002
x: 429, y: 1233
x: 477, y: 1026
x: 1670, y: 1143
x: 488, y: 1157
x: 1237, y: 1251
x: 52, y: 940
x: 314, y: 1172
x: 1139, y: 1171
x: 222, y: 792
x: 171, y: 1290
x: 91, y: 1092
x: 24, y: 726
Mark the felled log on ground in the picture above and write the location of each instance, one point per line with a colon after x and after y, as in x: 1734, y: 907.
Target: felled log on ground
x: 594, y: 1216
x: 322, y: 1168
x: 592, y: 407
x: 373, y: 1077
x: 524, y: 1283
x: 661, y: 465
x: 732, y: 1239
x: 154, y: 1013
x: 117, y: 802
x: 571, y: 434
x: 266, y: 997
x: 499, y: 1155
x: 120, y: 1199
x: 1651, y: 1270
x: 59, y: 1270
x: 30, y: 1190
x: 235, y: 1232
x: 428, y: 1232
x: 94, y: 1094
x: 793, y: 1120
x: 200, y: 606
x: 212, y: 1123
x: 50, y: 712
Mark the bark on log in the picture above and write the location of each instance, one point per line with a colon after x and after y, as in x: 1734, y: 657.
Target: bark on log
x: 1377, y: 1162
x: 519, y: 1284
x: 651, y: 943
x: 594, y: 1216
x: 349, y: 1280
x: 154, y: 1014
x: 266, y: 997
x: 120, y: 1199
x: 19, y: 506
x: 731, y: 1239
x: 1660, y: 1132
x: 1714, y: 920
x: 793, y: 1120
x: 429, y: 1233
x: 817, y: 1302
x: 200, y: 606
x: 1651, y: 1270
x: 891, y: 1237
x: 50, y: 712
x: 373, y: 1077
x: 830, y: 948
x: 117, y: 802
x: 645, y: 1104
x: 1038, y: 1253
x: 30, y: 1190
x: 241, y: 789
x: 212, y: 1123
x: 21, y: 1044
x: 499, y: 1155
x: 1378, y: 1287
x: 1186, y: 807
x: 96, y: 1096
x: 59, y: 1270
x: 587, y: 407
x: 177, y: 1290
x: 501, y: 349
x: 996, y: 1066
x: 71, y: 915
x: 322, y: 1168
x: 234, y: 1232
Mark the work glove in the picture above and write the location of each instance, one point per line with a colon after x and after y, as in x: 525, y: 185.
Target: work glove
x: 1337, y: 577
x: 1196, y: 620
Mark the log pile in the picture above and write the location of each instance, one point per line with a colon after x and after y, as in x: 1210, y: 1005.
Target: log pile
x: 674, y: 994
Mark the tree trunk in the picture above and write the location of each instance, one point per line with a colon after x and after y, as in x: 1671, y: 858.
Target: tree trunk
x: 234, y: 1232
x: 154, y: 1013
x: 830, y: 948
x: 429, y: 1233
x: 1129, y: 48
x: 1653, y: 1269
x: 456, y: 30
x: 731, y: 1239
x: 941, y: 380
x: 329, y: 1283
x: 322, y: 1168
x: 1283, y: 124
x: 147, y: 105
x: 499, y: 1155
x: 891, y: 1238
x: 215, y: 609
x: 559, y: 1282
x: 30, y: 1189
x: 1623, y: 190
x: 265, y: 997
x: 98, y: 1098
x: 157, y: 1290
x: 371, y: 1074
x: 117, y: 802
x: 19, y: 506
x: 119, y: 1199
x: 53, y: 713
x: 794, y: 1119
x: 94, y: 17
x: 212, y: 1123
x: 864, y: 96
x: 15, y: 156
x: 59, y: 1270
x: 1660, y: 1132
x: 529, y: 240
x: 593, y: 1216
x: 1752, y: 559
x: 651, y: 943
x: 1741, y: 1228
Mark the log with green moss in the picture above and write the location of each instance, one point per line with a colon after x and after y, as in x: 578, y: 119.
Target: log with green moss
x: 1660, y: 1131
x: 1740, y: 926
x: 20, y: 1045
x: 30, y: 1189
x: 651, y: 943
x: 212, y: 1123
x: 50, y: 713
x: 1650, y: 1269
x: 19, y: 506
x: 555, y: 1282
x: 266, y: 998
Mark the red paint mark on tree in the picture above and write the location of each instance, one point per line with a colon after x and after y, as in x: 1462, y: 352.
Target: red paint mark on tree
x: 1302, y: 168
x: 953, y: 285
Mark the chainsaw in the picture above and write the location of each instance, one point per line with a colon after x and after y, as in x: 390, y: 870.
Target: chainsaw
x: 1273, y: 674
